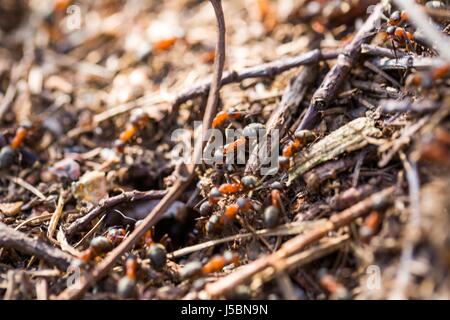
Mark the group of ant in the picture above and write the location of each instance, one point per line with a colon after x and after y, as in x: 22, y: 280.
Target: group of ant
x: 400, y: 34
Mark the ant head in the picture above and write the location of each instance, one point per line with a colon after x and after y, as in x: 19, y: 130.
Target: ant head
x: 390, y: 30
x: 395, y: 17
x: 26, y: 124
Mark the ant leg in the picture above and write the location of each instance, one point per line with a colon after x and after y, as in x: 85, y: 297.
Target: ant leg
x: 394, y: 49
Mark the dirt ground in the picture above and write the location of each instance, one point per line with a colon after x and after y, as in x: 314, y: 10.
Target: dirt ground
x: 96, y: 97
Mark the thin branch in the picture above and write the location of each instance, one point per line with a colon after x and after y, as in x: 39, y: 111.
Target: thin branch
x: 84, y: 222
x: 10, y: 238
x: 413, y: 230
x: 27, y: 186
x: 285, y: 230
x: 269, y: 69
x: 339, y: 72
x: 182, y: 183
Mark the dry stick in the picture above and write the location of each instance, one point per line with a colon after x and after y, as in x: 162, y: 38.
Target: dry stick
x: 84, y: 222
x: 103, y: 267
x: 420, y: 19
x: 300, y: 259
x: 10, y: 238
x: 279, y: 119
x: 372, y: 50
x: 27, y: 186
x: 285, y: 230
x: 56, y: 216
x: 413, y: 228
x: 338, y: 73
x: 264, y: 70
x: 298, y: 243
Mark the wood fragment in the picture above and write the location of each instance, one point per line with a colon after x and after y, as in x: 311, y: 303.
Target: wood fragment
x: 348, y: 138
x: 12, y: 239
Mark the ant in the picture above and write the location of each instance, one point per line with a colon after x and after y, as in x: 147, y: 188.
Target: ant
x: 272, y: 213
x: 426, y: 79
x: 402, y: 37
x: 231, y: 188
x: 103, y: 244
x: 301, y: 138
x: 232, y: 146
x: 247, y: 182
x: 230, y: 213
x: 126, y: 288
x: 224, y: 116
x: 336, y: 289
x: 214, y: 264
x: 217, y: 262
x: 370, y: 225
x: 156, y: 252
x: 20, y: 135
x: 397, y: 18
x: 98, y: 246
x: 137, y: 121
x: 115, y: 235
x: 9, y: 152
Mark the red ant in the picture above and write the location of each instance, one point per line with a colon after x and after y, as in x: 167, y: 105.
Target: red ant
x: 126, y: 287
x: 137, y: 121
x: 115, y: 235
x: 336, y: 289
x: 370, y: 225
x: 301, y: 138
x: 231, y: 188
x: 156, y: 252
x: 397, y: 18
x: 217, y: 263
x: 230, y: 213
x: 223, y: 116
x: 214, y: 264
x: 98, y: 246
x: 233, y: 145
x: 20, y: 135
x: 272, y: 213
x: 401, y: 36
x: 426, y: 79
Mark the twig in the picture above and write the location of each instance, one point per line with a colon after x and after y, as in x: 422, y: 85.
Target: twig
x: 338, y: 73
x: 26, y: 185
x: 175, y: 191
x: 10, y: 238
x: 83, y: 222
x: 285, y: 230
x: 404, y: 139
x: 420, y: 19
x: 264, y: 70
x: 369, y: 49
x: 323, y: 248
x: 298, y: 243
x: 413, y: 229
x: 56, y: 216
